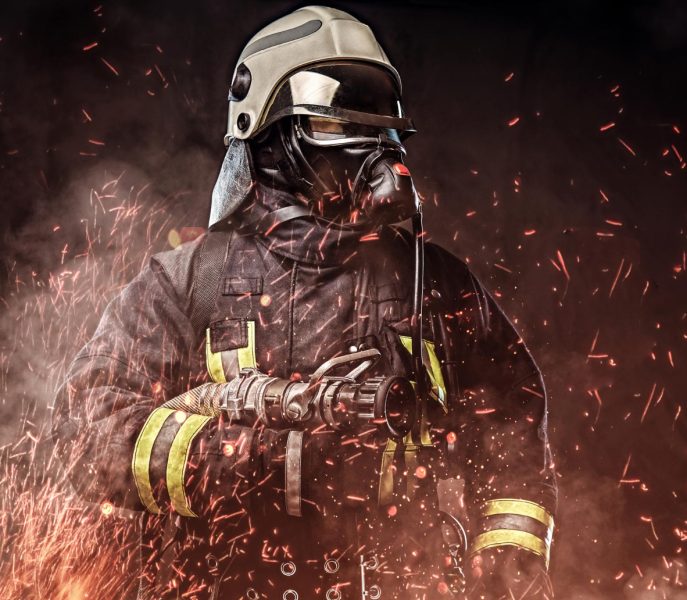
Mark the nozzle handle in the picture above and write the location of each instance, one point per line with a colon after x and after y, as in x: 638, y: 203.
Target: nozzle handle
x: 369, y: 357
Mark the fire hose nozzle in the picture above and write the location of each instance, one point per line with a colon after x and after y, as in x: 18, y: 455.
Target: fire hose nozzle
x: 343, y: 403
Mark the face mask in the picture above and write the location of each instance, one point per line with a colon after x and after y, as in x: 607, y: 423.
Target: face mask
x: 356, y: 172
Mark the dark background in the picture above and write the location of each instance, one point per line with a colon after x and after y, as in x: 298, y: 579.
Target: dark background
x: 577, y: 226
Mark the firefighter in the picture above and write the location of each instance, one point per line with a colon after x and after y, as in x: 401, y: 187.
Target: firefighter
x: 202, y: 400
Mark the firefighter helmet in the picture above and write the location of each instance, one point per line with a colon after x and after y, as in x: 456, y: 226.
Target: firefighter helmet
x: 319, y: 62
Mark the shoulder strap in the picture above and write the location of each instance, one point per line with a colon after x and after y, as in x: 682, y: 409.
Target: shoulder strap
x: 208, y: 267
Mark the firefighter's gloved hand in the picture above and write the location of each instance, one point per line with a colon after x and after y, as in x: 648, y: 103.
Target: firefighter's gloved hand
x: 507, y: 572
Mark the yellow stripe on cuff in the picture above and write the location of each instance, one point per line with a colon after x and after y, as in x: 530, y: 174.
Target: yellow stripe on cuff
x: 525, y: 508
x: 176, y: 463
x: 511, y: 537
x: 140, y: 463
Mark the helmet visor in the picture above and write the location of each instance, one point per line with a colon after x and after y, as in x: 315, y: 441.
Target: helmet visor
x: 320, y: 131
x: 354, y: 92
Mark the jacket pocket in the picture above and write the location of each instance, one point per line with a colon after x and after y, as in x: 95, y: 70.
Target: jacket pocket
x: 228, y: 334
x: 242, y: 286
x: 389, y: 299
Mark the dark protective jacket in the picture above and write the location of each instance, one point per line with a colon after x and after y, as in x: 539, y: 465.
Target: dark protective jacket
x: 285, y: 298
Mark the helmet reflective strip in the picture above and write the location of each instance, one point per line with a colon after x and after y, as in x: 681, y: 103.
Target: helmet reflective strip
x: 281, y: 37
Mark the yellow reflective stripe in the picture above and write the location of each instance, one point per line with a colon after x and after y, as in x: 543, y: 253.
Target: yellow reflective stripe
x: 176, y: 463
x: 425, y: 438
x: 431, y: 361
x: 410, y: 456
x: 511, y: 537
x: 435, y: 374
x: 386, y: 474
x: 213, y: 360
x: 246, y: 356
x: 407, y: 342
x: 525, y: 508
x: 140, y: 463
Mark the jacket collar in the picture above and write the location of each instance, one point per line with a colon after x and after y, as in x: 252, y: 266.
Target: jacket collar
x: 301, y: 235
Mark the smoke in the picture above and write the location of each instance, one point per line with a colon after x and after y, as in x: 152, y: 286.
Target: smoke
x: 664, y: 582
x: 50, y: 541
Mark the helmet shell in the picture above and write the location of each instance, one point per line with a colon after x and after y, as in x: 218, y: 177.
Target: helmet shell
x: 309, y: 35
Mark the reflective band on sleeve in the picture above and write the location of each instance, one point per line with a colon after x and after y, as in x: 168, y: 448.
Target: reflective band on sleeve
x: 386, y: 474
x: 525, y: 508
x: 246, y: 355
x: 176, y: 463
x: 407, y: 342
x: 140, y: 463
x: 431, y: 362
x: 213, y: 360
x: 511, y: 537
x: 435, y: 374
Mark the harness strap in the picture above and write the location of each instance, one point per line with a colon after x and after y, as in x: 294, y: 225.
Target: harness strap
x: 207, y: 274
x: 294, y: 475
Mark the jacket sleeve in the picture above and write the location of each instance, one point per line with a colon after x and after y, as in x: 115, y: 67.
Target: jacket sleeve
x: 117, y: 442
x: 500, y: 416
